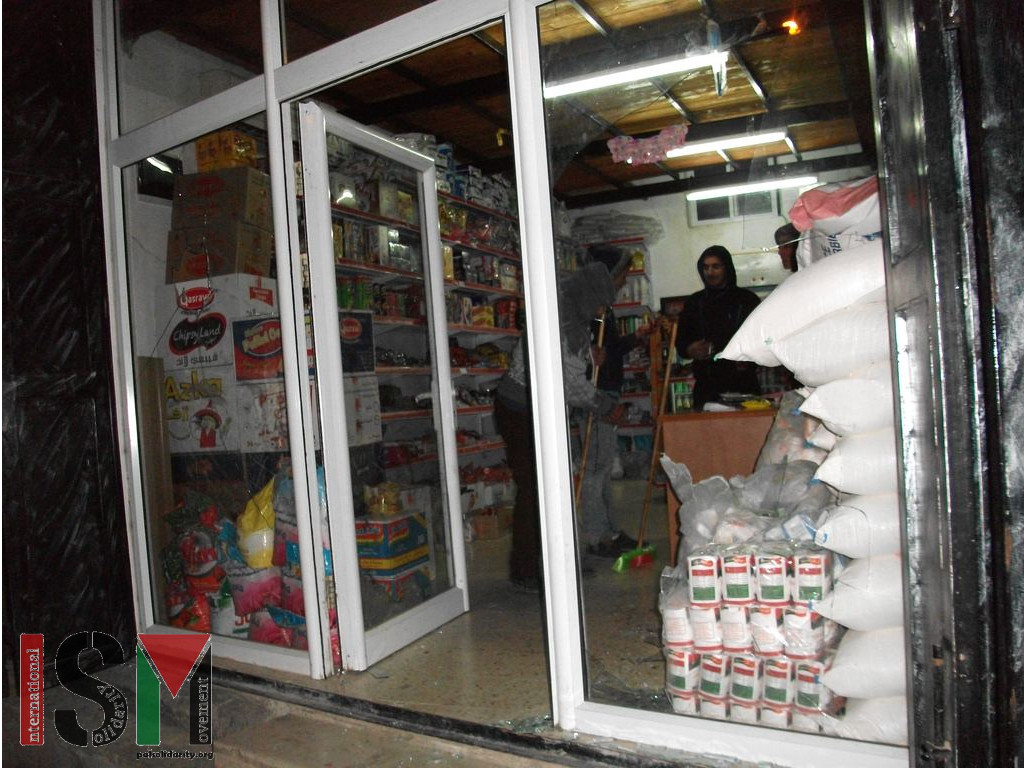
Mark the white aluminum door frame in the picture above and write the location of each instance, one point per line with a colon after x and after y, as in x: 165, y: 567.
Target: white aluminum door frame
x: 554, y: 477
x: 360, y: 647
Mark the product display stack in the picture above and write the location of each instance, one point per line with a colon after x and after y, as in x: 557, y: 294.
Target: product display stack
x: 218, y: 310
x: 838, y: 346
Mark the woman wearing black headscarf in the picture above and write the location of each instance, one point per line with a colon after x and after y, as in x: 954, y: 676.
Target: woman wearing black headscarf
x: 708, y: 321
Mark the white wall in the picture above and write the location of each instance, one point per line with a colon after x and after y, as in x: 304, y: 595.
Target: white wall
x: 674, y: 256
x: 157, y: 75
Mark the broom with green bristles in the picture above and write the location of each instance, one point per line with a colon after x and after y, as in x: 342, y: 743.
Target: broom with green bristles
x: 644, y: 555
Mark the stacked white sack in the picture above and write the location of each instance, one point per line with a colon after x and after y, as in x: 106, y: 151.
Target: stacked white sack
x: 837, y: 345
x: 829, y: 325
x: 861, y: 526
x: 833, y: 218
x: 851, y: 277
x: 869, y: 669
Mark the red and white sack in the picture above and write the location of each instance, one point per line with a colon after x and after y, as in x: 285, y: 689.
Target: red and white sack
x: 862, y: 526
x: 867, y: 595
x: 856, y: 275
x: 882, y: 719
x: 837, y: 345
x: 839, y: 207
x: 868, y: 665
x: 834, y: 218
x: 854, y: 404
x: 863, y: 464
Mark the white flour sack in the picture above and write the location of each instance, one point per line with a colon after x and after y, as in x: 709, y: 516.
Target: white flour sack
x: 867, y: 595
x: 836, y: 345
x: 805, y: 296
x: 852, y: 405
x: 863, y: 464
x: 822, y: 437
x: 868, y: 665
x: 883, y: 720
x: 862, y: 526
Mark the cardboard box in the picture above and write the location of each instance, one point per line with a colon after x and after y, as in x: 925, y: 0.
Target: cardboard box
x: 257, y: 349
x: 390, y: 538
x: 387, y: 566
x: 357, y: 346
x: 405, y: 583
x: 219, y: 197
x: 196, y: 317
x: 218, y: 249
x: 362, y: 410
x: 199, y: 411
x: 225, y: 149
x: 262, y: 415
x: 491, y: 523
x: 397, y: 204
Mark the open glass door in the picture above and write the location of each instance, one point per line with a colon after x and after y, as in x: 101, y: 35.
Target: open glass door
x: 376, y: 306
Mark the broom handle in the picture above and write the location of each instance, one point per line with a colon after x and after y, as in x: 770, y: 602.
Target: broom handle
x: 657, y: 433
x: 590, y: 421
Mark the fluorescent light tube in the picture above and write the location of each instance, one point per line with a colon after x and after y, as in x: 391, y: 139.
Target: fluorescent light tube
x: 159, y: 164
x: 633, y: 73
x: 726, y: 143
x: 755, y: 186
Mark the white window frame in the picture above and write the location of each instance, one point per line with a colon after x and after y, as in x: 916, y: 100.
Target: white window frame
x: 279, y: 84
x: 734, y: 211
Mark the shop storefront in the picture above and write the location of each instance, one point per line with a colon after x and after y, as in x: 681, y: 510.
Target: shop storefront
x: 307, y: 316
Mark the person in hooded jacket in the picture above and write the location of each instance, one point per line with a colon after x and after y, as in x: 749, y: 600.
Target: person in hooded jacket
x: 708, y: 321
x: 582, y: 296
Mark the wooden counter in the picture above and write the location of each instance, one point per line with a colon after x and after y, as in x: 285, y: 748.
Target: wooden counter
x: 726, y: 444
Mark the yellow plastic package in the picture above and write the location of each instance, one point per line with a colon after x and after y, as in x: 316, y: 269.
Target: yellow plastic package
x: 256, y: 529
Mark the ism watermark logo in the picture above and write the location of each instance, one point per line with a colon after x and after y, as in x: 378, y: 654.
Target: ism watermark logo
x: 161, y: 659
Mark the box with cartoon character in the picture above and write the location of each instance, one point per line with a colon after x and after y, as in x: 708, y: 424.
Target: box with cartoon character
x: 196, y: 318
x: 200, y: 410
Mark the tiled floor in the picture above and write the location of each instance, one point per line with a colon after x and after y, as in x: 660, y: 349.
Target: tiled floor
x: 489, y: 665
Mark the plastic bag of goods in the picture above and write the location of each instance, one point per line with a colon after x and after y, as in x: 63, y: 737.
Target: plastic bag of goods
x: 853, y: 404
x: 861, y: 526
x: 253, y: 588
x: 701, y: 506
x: 775, y: 489
x: 827, y: 286
x: 869, y: 665
x: 838, y: 344
x: 256, y: 529
x: 674, y: 605
x: 862, y: 464
x: 787, y: 439
x: 867, y: 595
x: 880, y: 719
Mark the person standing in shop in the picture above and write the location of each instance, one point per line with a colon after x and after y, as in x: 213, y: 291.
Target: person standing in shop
x: 708, y: 321
x: 583, y: 295
x: 597, y: 531
x: 786, y: 238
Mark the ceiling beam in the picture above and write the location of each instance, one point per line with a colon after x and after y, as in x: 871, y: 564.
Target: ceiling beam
x: 744, y: 172
x: 432, y: 98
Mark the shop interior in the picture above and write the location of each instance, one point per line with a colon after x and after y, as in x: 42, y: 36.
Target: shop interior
x: 798, y: 75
